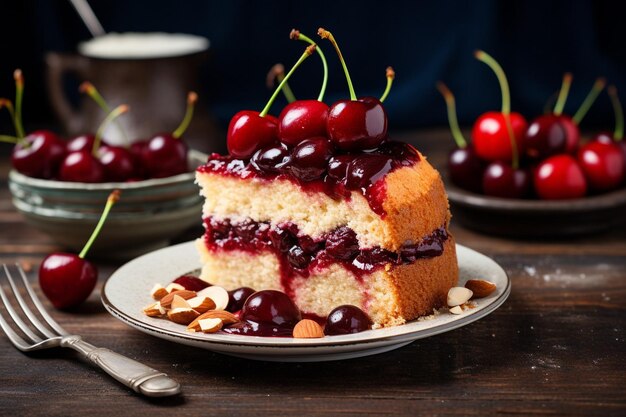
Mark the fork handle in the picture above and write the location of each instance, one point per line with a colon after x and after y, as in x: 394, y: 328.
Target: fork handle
x: 135, y: 375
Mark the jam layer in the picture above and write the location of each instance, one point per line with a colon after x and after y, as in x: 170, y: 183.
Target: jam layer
x: 299, y: 253
x: 338, y: 176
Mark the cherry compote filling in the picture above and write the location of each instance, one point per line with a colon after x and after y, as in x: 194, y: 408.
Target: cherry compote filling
x: 299, y: 254
x: 316, y: 167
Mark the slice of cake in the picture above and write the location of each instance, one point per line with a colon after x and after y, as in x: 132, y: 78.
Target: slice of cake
x: 375, y: 236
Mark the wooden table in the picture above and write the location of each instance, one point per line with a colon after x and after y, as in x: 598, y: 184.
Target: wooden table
x: 556, y: 347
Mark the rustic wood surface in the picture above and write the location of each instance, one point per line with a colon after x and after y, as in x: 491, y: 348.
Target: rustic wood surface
x: 556, y: 347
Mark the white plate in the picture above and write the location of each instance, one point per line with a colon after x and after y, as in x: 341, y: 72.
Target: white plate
x: 126, y: 293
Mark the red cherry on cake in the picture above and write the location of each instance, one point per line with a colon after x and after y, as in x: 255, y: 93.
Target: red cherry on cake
x: 301, y: 120
x: 559, y: 177
x: 68, y: 279
x: 603, y: 165
x: 165, y: 155
x: 501, y: 180
x: 249, y: 131
x: 464, y: 166
x: 310, y: 158
x: 271, y: 306
x: 304, y: 119
x: 272, y: 159
x: 346, y: 319
x: 491, y: 133
x: 38, y: 155
x: 356, y: 124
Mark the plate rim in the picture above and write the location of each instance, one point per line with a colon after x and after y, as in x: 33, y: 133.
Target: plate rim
x: 214, y: 341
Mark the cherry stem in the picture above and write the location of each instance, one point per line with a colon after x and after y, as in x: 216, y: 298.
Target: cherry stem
x: 452, y: 120
x: 89, y: 89
x: 119, y: 110
x: 19, y: 94
x: 192, y: 97
x: 324, y: 34
x: 5, y: 102
x: 618, y: 134
x: 506, y: 100
x: 111, y: 200
x: 307, y: 53
x: 547, y: 108
x: 391, y: 75
x: 277, y: 72
x: 9, y: 139
x: 295, y: 34
x: 563, y: 93
x: 504, y: 84
x: 598, y: 86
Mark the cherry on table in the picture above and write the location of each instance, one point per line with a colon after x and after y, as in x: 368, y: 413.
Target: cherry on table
x: 271, y: 306
x: 68, y: 279
x: 501, y: 180
x: 346, y: 319
x: 559, y: 177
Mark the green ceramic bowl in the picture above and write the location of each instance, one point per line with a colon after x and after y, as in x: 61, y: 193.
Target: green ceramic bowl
x: 148, y: 214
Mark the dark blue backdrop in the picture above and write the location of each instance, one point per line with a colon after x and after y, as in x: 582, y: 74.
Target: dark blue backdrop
x: 535, y: 41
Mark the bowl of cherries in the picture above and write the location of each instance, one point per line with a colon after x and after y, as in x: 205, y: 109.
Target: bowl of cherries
x: 536, y: 179
x: 58, y: 185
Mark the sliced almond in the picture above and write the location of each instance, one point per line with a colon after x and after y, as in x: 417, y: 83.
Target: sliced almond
x: 480, y: 288
x: 166, y: 302
x: 458, y: 296
x: 210, y: 325
x: 218, y: 294
x: 456, y: 310
x: 182, y: 315
x: 153, y: 310
x: 307, y: 329
x: 174, y: 287
x: 179, y: 302
x: 201, y: 304
x: 226, y: 317
x: 157, y: 292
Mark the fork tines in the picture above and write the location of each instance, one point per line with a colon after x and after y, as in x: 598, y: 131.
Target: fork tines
x: 33, y: 338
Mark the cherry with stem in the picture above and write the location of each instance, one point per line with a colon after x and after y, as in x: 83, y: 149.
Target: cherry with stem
x: 464, y: 166
x: 165, y: 154
x: 68, y: 279
x: 89, y: 89
x: 304, y: 119
x: 354, y: 124
x: 391, y: 75
x: 249, y: 131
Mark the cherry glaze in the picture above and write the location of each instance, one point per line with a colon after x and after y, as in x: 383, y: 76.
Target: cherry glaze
x: 343, y: 172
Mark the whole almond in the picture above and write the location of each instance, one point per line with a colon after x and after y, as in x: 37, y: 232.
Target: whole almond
x: 166, y: 302
x: 226, y: 317
x: 307, y: 329
x: 480, y: 287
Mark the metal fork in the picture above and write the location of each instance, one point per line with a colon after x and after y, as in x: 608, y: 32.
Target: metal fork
x: 131, y: 373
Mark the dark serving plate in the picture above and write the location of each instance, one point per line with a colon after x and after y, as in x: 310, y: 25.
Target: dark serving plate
x: 537, y: 218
